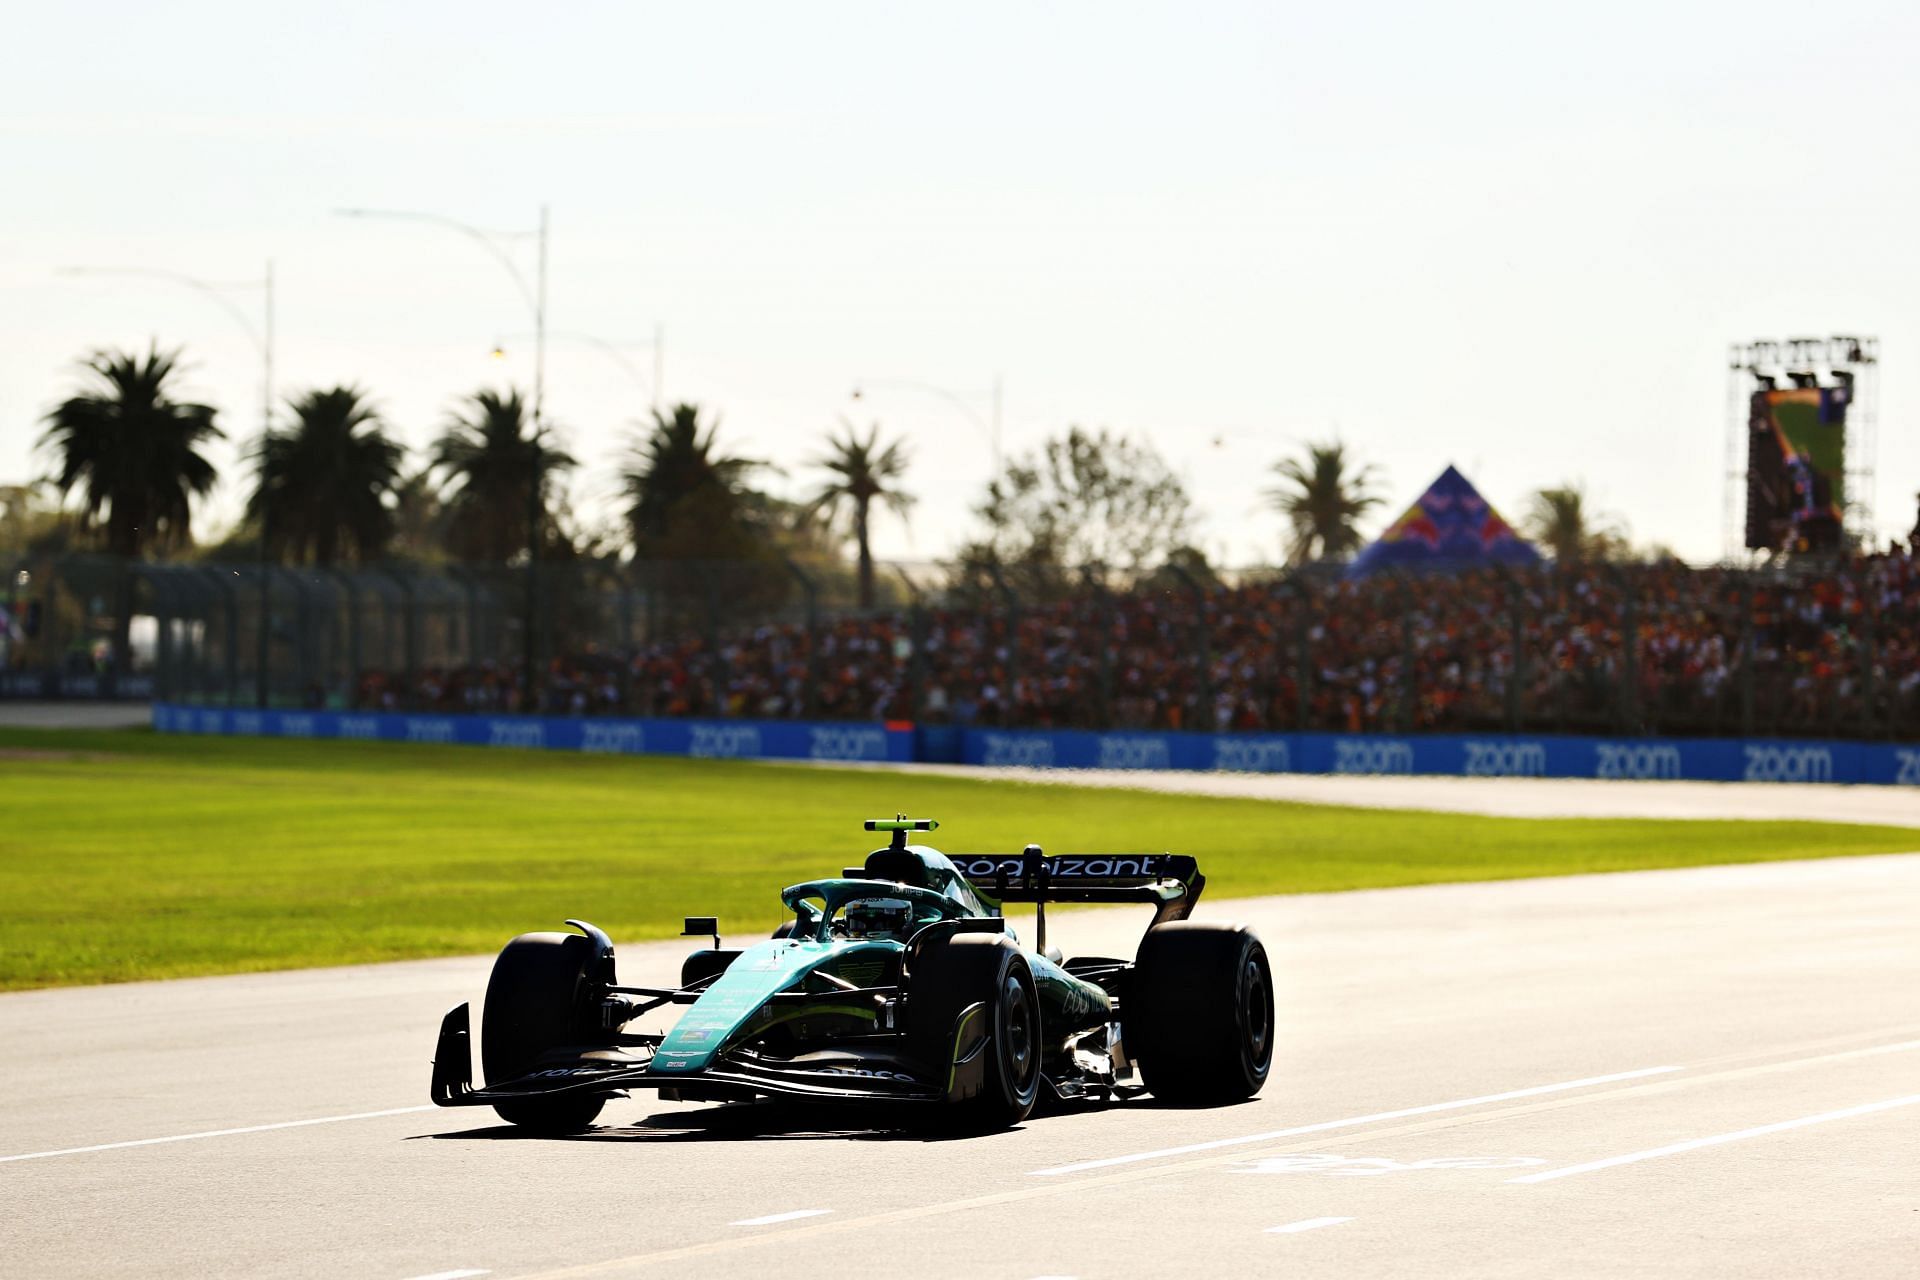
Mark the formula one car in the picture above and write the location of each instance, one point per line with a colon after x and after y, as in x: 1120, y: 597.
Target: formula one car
x: 900, y: 982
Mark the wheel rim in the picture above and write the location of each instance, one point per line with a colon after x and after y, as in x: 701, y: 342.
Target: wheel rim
x: 1017, y: 1007
x: 1257, y: 1000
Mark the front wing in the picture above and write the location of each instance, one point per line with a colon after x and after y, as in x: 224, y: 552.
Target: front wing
x: 738, y: 1073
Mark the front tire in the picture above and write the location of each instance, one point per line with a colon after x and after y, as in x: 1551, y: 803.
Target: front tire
x: 948, y: 978
x: 534, y: 1005
x: 1198, y: 1013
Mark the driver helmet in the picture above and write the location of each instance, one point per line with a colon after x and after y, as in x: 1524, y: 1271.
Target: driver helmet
x: 879, y: 918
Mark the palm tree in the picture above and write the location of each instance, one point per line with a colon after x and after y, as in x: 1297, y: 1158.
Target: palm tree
x: 677, y: 470
x: 1323, y: 496
x: 489, y: 457
x: 133, y: 450
x: 862, y: 473
x: 327, y: 483
x: 1565, y: 522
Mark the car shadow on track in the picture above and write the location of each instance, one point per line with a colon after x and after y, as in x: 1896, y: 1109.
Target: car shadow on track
x: 777, y: 1122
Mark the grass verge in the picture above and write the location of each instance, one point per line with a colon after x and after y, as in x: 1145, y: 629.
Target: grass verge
x: 128, y: 855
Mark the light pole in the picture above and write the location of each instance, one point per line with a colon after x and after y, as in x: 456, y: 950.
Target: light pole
x: 536, y: 298
x: 262, y: 337
x: 616, y: 352
x: 958, y: 399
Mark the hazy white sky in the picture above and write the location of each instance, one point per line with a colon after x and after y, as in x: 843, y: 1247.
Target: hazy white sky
x: 1517, y: 237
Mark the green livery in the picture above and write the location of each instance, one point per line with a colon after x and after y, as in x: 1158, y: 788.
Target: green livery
x: 898, y: 981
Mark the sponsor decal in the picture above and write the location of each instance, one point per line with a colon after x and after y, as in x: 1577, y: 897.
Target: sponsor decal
x: 210, y: 722
x: 1636, y: 760
x: 1506, y: 760
x: 1010, y: 750
x: 724, y: 741
x: 551, y: 1072
x: 359, y: 727
x: 1142, y: 866
x: 1372, y: 755
x: 1258, y: 755
x: 516, y: 733
x: 429, y: 729
x: 1787, y: 764
x: 1132, y: 751
x: 874, y: 1073
x: 694, y: 1037
x: 618, y: 739
x: 249, y: 724
x: 296, y: 726
x: 832, y: 742
x: 1908, y: 773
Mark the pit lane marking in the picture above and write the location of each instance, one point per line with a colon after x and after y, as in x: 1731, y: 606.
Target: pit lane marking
x: 1306, y: 1224
x: 1674, y: 1149
x: 216, y: 1133
x: 1325, y: 1125
x: 790, y: 1216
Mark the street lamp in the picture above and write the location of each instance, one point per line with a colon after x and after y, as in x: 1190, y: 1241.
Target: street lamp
x: 262, y: 338
x: 958, y: 399
x: 535, y: 295
x: 616, y: 352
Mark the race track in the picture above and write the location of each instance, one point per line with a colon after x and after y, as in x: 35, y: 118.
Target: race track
x: 1711, y: 1071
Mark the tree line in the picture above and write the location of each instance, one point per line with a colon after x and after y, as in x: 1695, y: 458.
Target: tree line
x: 332, y: 485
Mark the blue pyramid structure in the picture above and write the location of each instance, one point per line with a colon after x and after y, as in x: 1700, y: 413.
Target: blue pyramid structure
x: 1450, y: 528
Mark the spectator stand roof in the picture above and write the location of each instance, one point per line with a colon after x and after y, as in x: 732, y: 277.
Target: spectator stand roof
x: 1450, y: 528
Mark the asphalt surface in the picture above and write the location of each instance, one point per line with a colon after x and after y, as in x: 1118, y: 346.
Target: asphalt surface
x: 1495, y: 797
x: 1711, y: 1071
x: 29, y: 714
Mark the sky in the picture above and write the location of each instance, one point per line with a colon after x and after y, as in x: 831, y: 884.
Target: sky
x: 1518, y: 237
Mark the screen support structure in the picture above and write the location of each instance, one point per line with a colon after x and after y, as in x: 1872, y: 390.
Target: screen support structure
x: 1781, y: 362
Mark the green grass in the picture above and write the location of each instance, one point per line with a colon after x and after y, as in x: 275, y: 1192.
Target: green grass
x: 132, y: 855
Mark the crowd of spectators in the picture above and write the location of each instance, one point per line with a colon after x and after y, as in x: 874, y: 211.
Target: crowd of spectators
x: 1662, y: 647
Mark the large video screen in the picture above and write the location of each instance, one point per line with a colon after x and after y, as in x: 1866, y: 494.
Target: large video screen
x: 1796, y: 468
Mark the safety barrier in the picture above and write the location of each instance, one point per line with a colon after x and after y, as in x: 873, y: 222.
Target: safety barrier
x: 1453, y: 755
x: 712, y: 739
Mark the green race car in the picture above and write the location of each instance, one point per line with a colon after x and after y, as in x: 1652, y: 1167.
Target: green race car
x: 899, y: 982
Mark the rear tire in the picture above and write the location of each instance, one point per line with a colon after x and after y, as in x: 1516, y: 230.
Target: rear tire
x: 1198, y: 1013
x: 534, y: 1005
x: 986, y: 969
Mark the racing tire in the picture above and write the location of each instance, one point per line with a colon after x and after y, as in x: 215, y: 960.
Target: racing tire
x: 948, y: 977
x: 533, y: 1006
x: 1197, y: 1013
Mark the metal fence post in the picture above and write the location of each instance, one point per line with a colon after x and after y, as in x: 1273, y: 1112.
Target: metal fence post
x: 1011, y: 602
x: 810, y: 692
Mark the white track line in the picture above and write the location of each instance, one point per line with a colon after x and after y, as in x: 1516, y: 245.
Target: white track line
x: 1716, y: 1140
x: 453, y: 1275
x: 772, y: 1218
x: 1536, y: 1090
x: 214, y: 1133
x: 1306, y: 1224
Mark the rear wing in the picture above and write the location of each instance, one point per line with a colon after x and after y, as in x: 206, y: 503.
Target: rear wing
x: 1171, y: 881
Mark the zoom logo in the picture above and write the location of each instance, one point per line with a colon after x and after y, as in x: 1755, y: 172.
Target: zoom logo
x: 516, y: 733
x: 429, y: 729
x: 1506, y: 760
x: 724, y: 741
x: 1636, y: 760
x: 1908, y: 773
x: 293, y: 726
x: 1257, y: 756
x: 249, y: 724
x: 613, y: 739
x: 359, y: 727
x: 1788, y: 764
x: 1010, y: 751
x: 829, y: 743
x: 1119, y: 751
x: 1372, y: 755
